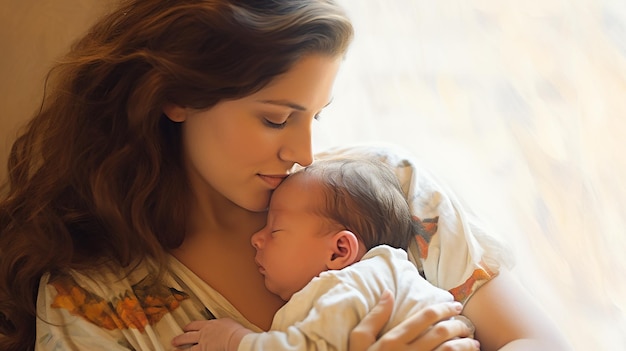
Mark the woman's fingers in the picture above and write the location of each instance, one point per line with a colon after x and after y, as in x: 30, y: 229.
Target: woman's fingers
x: 422, y: 322
x: 468, y: 323
x: 365, y: 333
x: 443, y: 333
x: 429, y: 329
x: 464, y: 344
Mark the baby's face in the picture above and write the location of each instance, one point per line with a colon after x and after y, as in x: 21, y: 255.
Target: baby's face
x: 295, y: 244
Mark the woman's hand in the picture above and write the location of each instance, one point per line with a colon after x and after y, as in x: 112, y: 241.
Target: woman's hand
x: 430, y: 329
x: 222, y: 334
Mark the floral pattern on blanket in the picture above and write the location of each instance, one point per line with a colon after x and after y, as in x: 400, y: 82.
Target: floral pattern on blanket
x: 426, y: 229
x: 479, y: 277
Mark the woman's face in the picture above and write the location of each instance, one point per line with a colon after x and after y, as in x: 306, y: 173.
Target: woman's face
x: 242, y: 149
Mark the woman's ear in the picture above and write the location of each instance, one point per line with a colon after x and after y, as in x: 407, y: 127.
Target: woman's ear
x: 175, y: 113
x: 345, y: 250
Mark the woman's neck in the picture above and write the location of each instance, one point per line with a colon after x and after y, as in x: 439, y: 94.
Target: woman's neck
x: 217, y: 214
x: 217, y: 249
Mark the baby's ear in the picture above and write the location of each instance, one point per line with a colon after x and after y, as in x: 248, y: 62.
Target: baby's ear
x: 175, y: 112
x: 345, y: 250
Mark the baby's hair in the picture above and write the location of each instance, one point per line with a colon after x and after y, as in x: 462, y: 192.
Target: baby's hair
x: 365, y: 197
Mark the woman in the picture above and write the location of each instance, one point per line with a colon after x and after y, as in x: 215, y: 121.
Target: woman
x: 133, y: 192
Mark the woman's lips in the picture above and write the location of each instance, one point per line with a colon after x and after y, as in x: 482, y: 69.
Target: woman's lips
x: 273, y: 180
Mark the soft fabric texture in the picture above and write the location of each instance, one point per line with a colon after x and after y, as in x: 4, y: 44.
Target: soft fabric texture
x: 322, y: 314
x: 113, y: 310
x: 453, y: 251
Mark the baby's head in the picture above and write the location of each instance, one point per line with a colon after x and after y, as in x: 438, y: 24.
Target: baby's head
x: 326, y: 216
x: 365, y: 197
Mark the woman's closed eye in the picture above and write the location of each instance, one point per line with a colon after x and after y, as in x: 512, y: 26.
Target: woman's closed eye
x: 273, y: 124
x: 280, y: 125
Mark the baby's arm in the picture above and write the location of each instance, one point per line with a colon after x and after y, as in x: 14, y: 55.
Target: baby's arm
x: 326, y: 325
x: 222, y: 334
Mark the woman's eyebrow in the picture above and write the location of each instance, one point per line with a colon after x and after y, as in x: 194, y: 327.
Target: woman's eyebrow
x: 289, y: 104
x: 285, y: 103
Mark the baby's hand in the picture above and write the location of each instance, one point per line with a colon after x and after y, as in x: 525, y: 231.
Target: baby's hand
x: 222, y: 334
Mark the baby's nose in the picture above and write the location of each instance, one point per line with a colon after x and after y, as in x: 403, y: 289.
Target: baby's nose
x: 257, y: 239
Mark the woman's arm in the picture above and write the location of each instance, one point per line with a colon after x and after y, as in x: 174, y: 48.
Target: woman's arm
x: 429, y: 329
x: 506, y: 318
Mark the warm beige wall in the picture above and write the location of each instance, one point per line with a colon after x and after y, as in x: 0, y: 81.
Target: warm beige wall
x: 33, y: 33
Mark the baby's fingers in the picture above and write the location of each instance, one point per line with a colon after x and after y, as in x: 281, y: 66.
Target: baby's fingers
x: 187, y: 339
x: 197, y: 325
x: 191, y: 335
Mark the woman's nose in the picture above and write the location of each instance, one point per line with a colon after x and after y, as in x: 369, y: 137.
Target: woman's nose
x: 298, y: 147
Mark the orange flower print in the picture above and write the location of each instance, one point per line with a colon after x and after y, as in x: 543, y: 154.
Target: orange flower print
x: 130, y: 312
x: 480, y: 276
x: 146, y: 304
x: 426, y: 229
x: 81, y: 302
x: 156, y: 299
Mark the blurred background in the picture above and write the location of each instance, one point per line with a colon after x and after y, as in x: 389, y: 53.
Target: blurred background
x: 518, y: 106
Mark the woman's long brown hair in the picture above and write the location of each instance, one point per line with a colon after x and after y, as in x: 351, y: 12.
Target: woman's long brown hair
x: 96, y: 176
